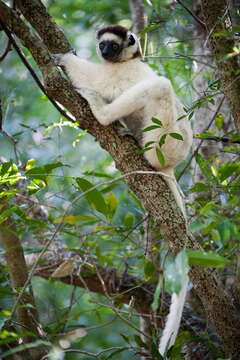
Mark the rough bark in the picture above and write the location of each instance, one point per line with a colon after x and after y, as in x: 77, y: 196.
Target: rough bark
x: 203, y: 64
x: 150, y: 189
x: 27, y: 315
x: 217, y: 20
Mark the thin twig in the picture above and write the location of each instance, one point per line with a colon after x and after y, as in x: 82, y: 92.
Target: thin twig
x: 6, y: 51
x: 34, y: 75
x: 192, y: 14
x: 220, y: 139
x: 200, y: 143
x: 58, y: 228
x: 106, y: 291
x: 135, y: 227
x: 193, y: 58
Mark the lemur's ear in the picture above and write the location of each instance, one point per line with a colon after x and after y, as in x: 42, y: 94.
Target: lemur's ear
x: 131, y: 40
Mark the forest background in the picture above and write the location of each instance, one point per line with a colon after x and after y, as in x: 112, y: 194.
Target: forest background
x: 88, y: 241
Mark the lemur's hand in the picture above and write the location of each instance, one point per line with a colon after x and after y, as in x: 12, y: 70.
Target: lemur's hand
x: 58, y: 58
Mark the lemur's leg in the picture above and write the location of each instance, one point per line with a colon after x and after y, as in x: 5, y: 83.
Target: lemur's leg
x: 130, y: 101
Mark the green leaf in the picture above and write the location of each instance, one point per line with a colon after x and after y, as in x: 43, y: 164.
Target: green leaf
x: 5, y: 167
x: 157, y: 293
x: 162, y: 140
x: 149, y: 28
x: 36, y: 185
x: 235, y: 137
x: 219, y: 122
x: 30, y: 164
x: 149, y: 143
x: 207, y: 207
x: 181, y: 117
x: 125, y: 338
x: 175, y: 351
x: 42, y: 172
x: 224, y: 230
x: 5, y: 214
x: 49, y: 167
x: 151, y: 127
x: 154, y: 352
x: 111, y: 203
x: 77, y: 139
x: 182, y: 338
x: 109, y: 188
x: 176, y: 136
x: 129, y: 220
x: 98, y: 174
x: 44, y: 98
x: 215, y: 235
x: 154, y: 67
x: 190, y: 115
x: 203, y: 259
x: 139, y: 152
x: 149, y: 269
x: 139, y: 342
x: 227, y: 170
x: 37, y: 173
x: 160, y: 157
x: 198, y: 187
x: 93, y: 197
x: 157, y: 122
x: 72, y: 220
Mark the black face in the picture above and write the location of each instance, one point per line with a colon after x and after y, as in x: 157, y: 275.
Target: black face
x: 110, y: 50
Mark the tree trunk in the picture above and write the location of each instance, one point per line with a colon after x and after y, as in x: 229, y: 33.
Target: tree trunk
x: 217, y: 20
x: 27, y: 315
x: 204, y: 117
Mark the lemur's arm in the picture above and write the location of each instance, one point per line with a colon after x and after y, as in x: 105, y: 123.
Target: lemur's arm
x: 78, y: 70
x: 133, y: 99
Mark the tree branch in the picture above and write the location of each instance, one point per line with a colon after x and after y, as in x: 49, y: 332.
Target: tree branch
x: 37, y: 15
x: 27, y: 315
x: 192, y: 14
x: 218, y: 22
x: 33, y: 73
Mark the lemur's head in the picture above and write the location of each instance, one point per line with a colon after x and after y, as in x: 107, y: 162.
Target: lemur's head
x: 116, y: 44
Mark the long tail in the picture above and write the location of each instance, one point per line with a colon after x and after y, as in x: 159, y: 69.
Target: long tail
x: 177, y: 302
x: 175, y: 188
x: 174, y: 318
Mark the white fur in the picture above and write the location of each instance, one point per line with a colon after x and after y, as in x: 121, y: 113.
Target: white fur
x: 130, y: 90
x: 174, y: 318
x: 129, y: 87
x: 110, y: 37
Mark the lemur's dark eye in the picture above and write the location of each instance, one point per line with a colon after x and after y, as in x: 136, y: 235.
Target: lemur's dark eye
x: 101, y: 46
x: 115, y: 46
